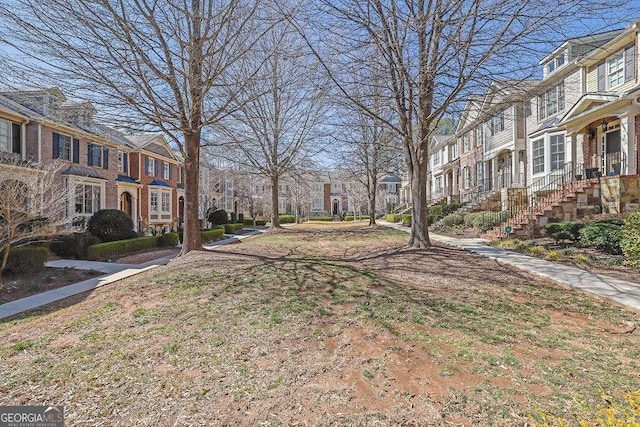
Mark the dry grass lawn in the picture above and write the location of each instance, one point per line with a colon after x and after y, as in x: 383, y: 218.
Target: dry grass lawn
x: 322, y: 325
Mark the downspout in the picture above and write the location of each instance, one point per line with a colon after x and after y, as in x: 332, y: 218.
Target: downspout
x: 39, y: 142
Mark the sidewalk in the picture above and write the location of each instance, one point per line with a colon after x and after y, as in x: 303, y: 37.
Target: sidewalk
x: 114, y: 272
x: 619, y: 291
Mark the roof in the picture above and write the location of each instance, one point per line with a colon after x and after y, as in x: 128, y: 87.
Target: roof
x: 82, y: 171
x: 128, y: 179
x: 159, y: 183
x: 391, y: 178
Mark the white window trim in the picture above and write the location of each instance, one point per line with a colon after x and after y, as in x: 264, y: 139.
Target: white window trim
x: 101, y: 148
x: 73, y: 182
x: 165, y: 170
x: 121, y: 161
x: 620, y: 70
x: 159, y: 190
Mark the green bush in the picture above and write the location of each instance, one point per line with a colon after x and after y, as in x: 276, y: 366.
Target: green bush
x: 469, y: 218
x: 212, y: 235
x: 436, y: 213
x: 26, y: 259
x: 354, y: 218
x: 168, y: 240
x: 406, y: 219
x: 393, y: 217
x: 630, y: 242
x: 322, y: 219
x: 487, y: 220
x: 453, y: 219
x: 568, y: 230
x: 110, y: 225
x: 121, y: 247
x: 287, y: 219
x: 603, y: 236
x: 217, y: 216
x: 232, y: 228
x: 450, y: 208
x: 73, y: 245
x: 249, y: 222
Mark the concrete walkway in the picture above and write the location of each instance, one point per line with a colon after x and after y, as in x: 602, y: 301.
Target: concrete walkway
x: 619, y: 291
x: 114, y: 272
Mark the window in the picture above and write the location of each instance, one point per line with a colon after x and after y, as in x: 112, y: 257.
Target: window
x: 538, y: 155
x: 95, y: 154
x: 466, y: 143
x: 151, y: 168
x: 527, y: 108
x: 436, y: 157
x: 615, y: 70
x: 61, y: 146
x: 551, y: 102
x: 5, y: 136
x: 165, y: 206
x: 453, y: 151
x: 556, y: 151
x: 123, y: 162
x: 179, y: 177
x: 479, y: 136
x: 154, y: 201
x: 466, y: 177
x: 497, y: 123
x: 479, y: 173
x: 556, y: 63
x: 165, y: 170
x: 87, y: 199
x: 438, y: 187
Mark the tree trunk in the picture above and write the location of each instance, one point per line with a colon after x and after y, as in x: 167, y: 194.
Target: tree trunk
x: 275, y: 214
x: 191, y: 240
x: 419, y: 224
x: 372, y: 207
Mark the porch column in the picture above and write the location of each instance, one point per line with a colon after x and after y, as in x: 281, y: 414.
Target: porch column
x: 456, y: 182
x: 515, y: 169
x: 134, y: 211
x: 494, y: 173
x: 628, y: 143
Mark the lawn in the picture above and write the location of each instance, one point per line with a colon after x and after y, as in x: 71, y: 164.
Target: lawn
x: 323, y: 324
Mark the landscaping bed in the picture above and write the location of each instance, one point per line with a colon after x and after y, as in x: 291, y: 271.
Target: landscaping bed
x: 20, y: 286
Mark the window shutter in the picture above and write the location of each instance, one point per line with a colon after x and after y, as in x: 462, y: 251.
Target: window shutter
x: 17, y: 141
x: 601, y: 77
x: 105, y: 160
x: 56, y: 145
x: 76, y: 150
x: 125, y: 162
x: 146, y: 166
x: 629, y: 63
x: 90, y: 154
x: 170, y: 171
x: 156, y: 167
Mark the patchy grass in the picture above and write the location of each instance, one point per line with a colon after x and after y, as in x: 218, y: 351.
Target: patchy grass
x: 324, y: 324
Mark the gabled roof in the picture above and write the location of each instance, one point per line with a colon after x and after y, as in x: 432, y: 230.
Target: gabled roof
x: 390, y: 178
x: 153, y: 142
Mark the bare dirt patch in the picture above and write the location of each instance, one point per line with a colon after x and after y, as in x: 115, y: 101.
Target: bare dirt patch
x: 142, y: 257
x: 321, y: 325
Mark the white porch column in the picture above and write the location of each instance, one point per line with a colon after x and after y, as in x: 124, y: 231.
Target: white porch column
x: 494, y: 173
x: 628, y: 143
x: 515, y: 169
x: 455, y: 188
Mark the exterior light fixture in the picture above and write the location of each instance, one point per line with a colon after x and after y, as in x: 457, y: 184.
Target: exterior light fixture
x: 605, y: 126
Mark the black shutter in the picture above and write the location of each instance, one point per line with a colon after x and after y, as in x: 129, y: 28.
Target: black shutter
x: 105, y: 160
x: 629, y: 63
x: 56, y: 145
x: 156, y: 166
x: 146, y: 166
x: 601, y: 77
x: 76, y: 150
x: 16, y: 139
x: 125, y: 162
x: 170, y: 171
x: 90, y: 154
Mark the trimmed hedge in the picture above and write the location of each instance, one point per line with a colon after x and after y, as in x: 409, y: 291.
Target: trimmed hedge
x: 630, y: 242
x: 121, y: 247
x: 212, y: 235
x: 406, y: 219
x: 322, y: 219
x: 74, y: 245
x: 169, y: 239
x: 393, y: 217
x: 352, y: 218
x: 568, y: 230
x: 26, y: 259
x: 249, y: 222
x: 232, y: 228
x: 217, y: 216
x: 110, y: 225
x: 287, y: 219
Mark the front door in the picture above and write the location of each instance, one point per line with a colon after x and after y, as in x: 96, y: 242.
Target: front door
x: 335, y: 207
x: 612, y: 159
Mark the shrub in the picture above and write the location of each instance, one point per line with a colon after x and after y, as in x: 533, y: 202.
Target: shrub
x: 26, y: 259
x: 211, y: 235
x: 567, y: 230
x: 553, y: 256
x: 451, y: 208
x: 73, y: 245
x: 119, y: 247
x: 393, y: 217
x: 470, y: 218
x: 436, y: 213
x: 110, y: 225
x: 603, y: 236
x: 406, y: 220
x: 233, y: 217
x: 354, y: 218
x: 453, y: 219
x: 322, y: 219
x: 232, y: 228
x: 486, y: 220
x: 287, y: 219
x: 168, y: 240
x: 581, y: 259
x: 630, y: 242
x: 535, y: 250
x: 250, y: 222
x: 217, y: 216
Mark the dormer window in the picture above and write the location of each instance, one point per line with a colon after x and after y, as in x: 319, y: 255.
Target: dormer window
x: 556, y: 62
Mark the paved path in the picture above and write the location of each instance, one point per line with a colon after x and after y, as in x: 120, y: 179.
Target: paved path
x: 620, y: 291
x: 114, y: 272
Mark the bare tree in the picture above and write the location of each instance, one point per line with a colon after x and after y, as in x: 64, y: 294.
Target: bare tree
x: 278, y: 128
x: 435, y: 54
x: 161, y: 65
x: 32, y: 204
